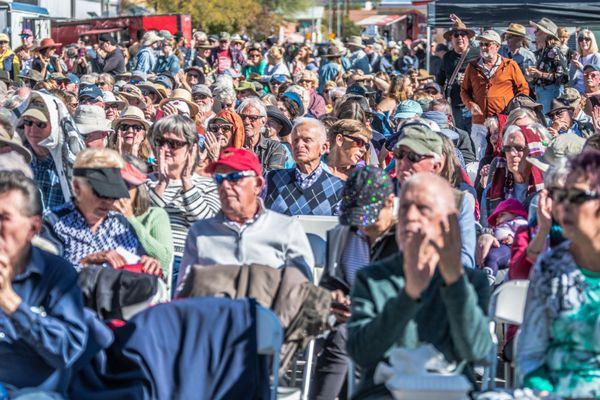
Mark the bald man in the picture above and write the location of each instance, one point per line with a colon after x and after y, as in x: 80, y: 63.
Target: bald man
x: 423, y: 294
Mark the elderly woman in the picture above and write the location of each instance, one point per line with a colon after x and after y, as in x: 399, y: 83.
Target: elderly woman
x: 86, y: 230
x: 130, y: 137
x: 185, y: 196
x: 558, y: 350
x: 349, y: 142
x: 511, y: 176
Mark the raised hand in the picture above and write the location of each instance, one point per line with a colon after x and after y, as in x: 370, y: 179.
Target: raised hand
x: 448, y: 247
x: 213, y: 146
x: 419, y: 259
x: 190, y: 164
x: 9, y: 300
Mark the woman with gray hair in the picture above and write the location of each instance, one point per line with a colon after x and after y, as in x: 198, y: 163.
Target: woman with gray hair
x: 185, y: 196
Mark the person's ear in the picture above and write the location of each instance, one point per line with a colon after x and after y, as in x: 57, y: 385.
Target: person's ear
x: 339, y: 140
x: 35, y: 227
x: 76, y: 187
x: 260, y: 184
x: 325, y: 147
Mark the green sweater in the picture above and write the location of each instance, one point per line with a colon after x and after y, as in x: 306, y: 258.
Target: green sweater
x: 452, y: 318
x: 153, y: 230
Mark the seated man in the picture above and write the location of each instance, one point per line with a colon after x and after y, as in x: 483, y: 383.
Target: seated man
x: 42, y: 327
x: 306, y: 189
x: 423, y: 294
x: 244, y: 232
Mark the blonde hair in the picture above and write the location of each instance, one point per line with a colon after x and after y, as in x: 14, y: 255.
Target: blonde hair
x: 275, y: 53
x: 98, y: 158
x: 586, y: 33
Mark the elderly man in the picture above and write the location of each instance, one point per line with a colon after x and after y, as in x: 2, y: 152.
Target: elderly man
x: 202, y: 96
x: 306, y: 189
x: 516, y: 47
x: 270, y: 152
x: 489, y: 85
x: 591, y: 79
x: 42, y: 327
x: 562, y: 117
x: 423, y: 294
x: 420, y: 150
x: 245, y: 232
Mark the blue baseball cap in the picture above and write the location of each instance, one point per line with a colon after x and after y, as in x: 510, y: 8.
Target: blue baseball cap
x: 164, y: 81
x: 278, y: 78
x: 408, y: 109
x: 442, y: 121
x: 296, y: 99
x: 73, y: 78
x: 90, y: 91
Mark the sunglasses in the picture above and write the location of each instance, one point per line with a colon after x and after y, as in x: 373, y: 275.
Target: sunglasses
x: 411, y: 155
x: 516, y: 148
x: 136, y: 128
x: 585, y: 39
x: 214, y: 128
x: 233, y: 176
x: 199, y: 97
x: 485, y: 44
x: 88, y: 100
x: 28, y: 122
x: 174, y: 144
x: 358, y: 142
x: 574, y: 196
x: 113, y: 106
x: 3, y: 42
x: 459, y: 34
x: 252, y: 118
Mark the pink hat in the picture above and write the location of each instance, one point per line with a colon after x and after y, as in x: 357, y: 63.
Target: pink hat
x: 512, y: 206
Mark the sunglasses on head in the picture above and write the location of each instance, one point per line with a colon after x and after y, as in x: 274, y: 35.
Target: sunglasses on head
x: 410, y: 155
x: 174, y: 144
x: 136, y: 128
x: 516, y: 148
x: 358, y: 142
x: 39, y: 124
x: 233, y: 176
x: 573, y: 196
x: 252, y: 118
x: 214, y: 128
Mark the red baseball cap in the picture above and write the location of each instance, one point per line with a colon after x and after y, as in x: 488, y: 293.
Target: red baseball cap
x: 237, y: 159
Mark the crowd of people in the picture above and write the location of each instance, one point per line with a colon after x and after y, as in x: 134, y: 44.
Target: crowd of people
x: 158, y: 156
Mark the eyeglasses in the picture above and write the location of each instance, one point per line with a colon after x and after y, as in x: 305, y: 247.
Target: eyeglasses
x: 214, y: 128
x: 3, y: 42
x: 411, y: 155
x: 174, y: 144
x: 516, y: 148
x: 584, y: 39
x: 111, y: 106
x: 254, y: 55
x: 28, y: 122
x: 199, y: 97
x: 485, y: 44
x: 358, y: 142
x: 252, y: 118
x: 459, y: 34
x: 593, y: 74
x: 233, y: 176
x: 88, y: 100
x: 574, y: 196
x: 136, y: 128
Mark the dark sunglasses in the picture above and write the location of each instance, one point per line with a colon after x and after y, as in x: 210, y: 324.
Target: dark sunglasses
x: 459, y: 34
x: 87, y: 100
x: 136, y: 128
x: 113, y: 106
x: 518, y: 149
x: 199, y: 97
x: 233, y: 176
x: 586, y: 39
x: 214, y: 128
x: 174, y: 144
x: 573, y: 196
x: 358, y: 142
x: 411, y: 155
x: 28, y: 122
x: 252, y: 118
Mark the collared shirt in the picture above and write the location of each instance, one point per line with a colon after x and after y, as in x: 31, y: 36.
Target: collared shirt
x: 356, y: 254
x: 522, y: 56
x: 271, y: 154
x: 72, y: 233
x: 46, y: 177
x: 306, y: 180
x: 490, y: 72
x: 47, y: 332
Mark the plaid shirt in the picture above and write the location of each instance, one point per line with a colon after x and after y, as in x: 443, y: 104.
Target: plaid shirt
x: 46, y: 177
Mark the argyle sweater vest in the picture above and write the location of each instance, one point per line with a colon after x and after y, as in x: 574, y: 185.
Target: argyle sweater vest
x: 285, y: 196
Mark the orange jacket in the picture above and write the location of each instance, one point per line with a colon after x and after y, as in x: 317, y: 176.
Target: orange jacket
x: 492, y: 95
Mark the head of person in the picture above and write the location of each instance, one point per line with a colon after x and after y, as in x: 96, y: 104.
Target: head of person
x: 91, y: 95
x: 591, y: 78
x: 174, y: 136
x: 97, y: 183
x: 4, y: 43
x: 278, y: 125
x: 37, y: 127
x: 21, y: 215
x: 275, y: 55
x: 460, y: 40
x: 27, y: 37
x: 223, y: 129
x: 489, y: 44
x: 515, y: 149
x: 561, y: 113
x: 563, y: 35
x: 194, y: 76
x: 426, y: 200
x: 254, y: 116
x: 112, y: 106
x: 586, y: 41
x: 203, y: 97
x: 308, y: 80
x: 419, y: 149
x: 276, y: 82
x: 580, y: 199
x: 224, y: 41
x: 239, y: 179
x: 135, y: 175
x: 368, y: 200
x: 291, y: 105
x: 167, y: 47
x: 107, y: 43
x: 105, y: 82
x: 309, y: 143
x: 131, y: 131
x: 93, y: 125
x: 401, y: 88
x: 350, y: 142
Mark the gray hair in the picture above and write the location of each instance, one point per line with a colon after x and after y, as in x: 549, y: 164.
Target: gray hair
x: 511, y: 130
x: 519, y: 113
x: 556, y: 175
x: 178, y: 124
x: 16, y: 180
x: 320, y: 127
x: 252, y: 102
x: 13, y: 161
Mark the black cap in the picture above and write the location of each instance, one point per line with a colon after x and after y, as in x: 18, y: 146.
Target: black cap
x: 105, y: 182
x: 105, y: 37
x: 286, y: 124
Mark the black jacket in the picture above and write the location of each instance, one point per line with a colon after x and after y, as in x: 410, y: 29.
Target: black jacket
x: 114, y: 63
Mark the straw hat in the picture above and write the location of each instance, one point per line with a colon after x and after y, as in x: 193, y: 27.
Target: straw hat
x: 547, y: 26
x: 459, y: 26
x: 110, y: 98
x: 182, y: 95
x: 129, y: 92
x: 516, y: 30
x: 355, y: 41
x: 153, y: 87
x: 132, y: 114
x: 150, y: 38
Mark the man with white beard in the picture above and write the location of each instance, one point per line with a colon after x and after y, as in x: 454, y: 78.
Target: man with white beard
x: 489, y: 84
x: 202, y: 96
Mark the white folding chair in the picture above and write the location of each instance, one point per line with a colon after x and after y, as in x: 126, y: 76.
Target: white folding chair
x: 507, y: 306
x: 269, y: 338
x: 318, y: 224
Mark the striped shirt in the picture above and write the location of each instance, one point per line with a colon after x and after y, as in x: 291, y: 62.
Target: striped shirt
x: 185, y: 208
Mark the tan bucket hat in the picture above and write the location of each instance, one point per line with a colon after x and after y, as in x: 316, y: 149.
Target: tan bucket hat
x: 182, y: 95
x: 132, y: 114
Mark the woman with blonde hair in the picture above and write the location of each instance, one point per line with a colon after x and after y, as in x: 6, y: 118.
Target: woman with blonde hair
x: 401, y: 88
x: 350, y: 142
x: 587, y: 54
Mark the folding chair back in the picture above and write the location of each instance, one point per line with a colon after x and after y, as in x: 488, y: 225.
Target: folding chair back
x: 508, y: 302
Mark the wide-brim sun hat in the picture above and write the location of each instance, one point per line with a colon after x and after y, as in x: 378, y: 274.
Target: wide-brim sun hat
x: 185, y: 96
x: 547, y: 26
x: 132, y: 114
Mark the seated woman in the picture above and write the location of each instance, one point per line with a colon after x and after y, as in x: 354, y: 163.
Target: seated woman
x: 558, y: 350
x: 349, y: 142
x: 87, y: 230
